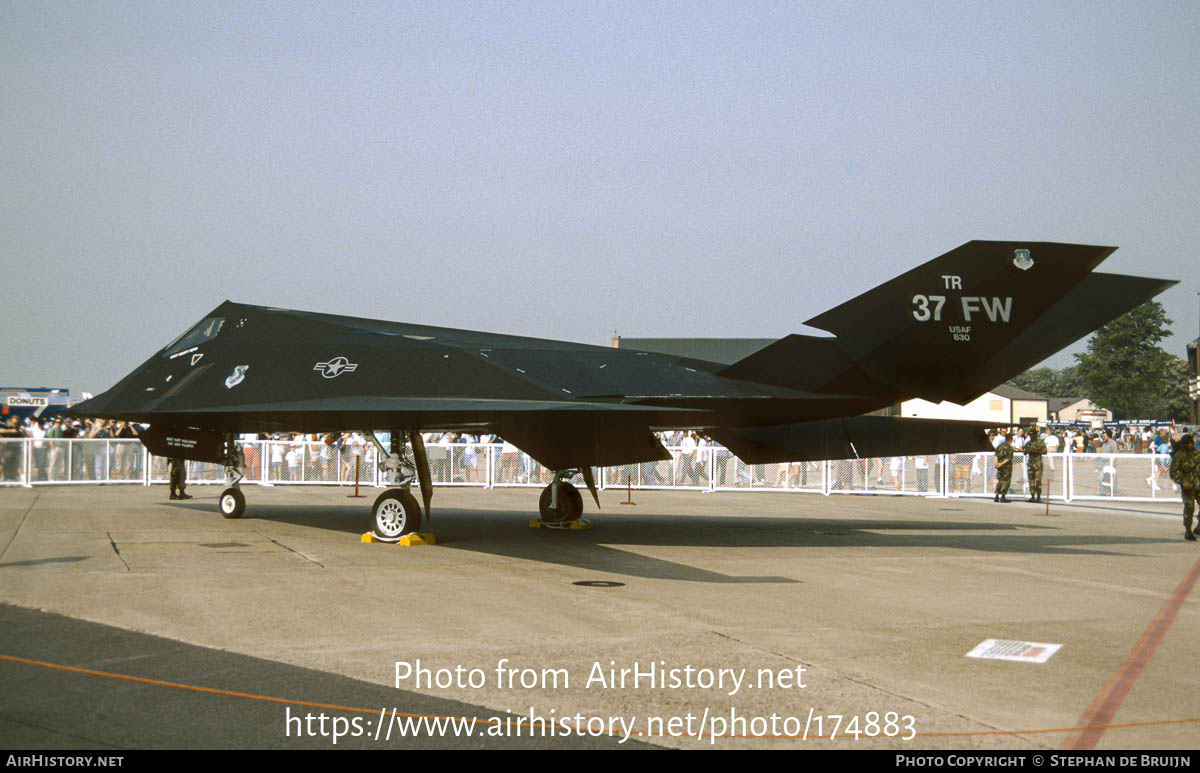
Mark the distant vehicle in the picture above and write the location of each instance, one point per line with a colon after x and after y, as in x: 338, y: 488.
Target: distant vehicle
x: 950, y: 329
x: 39, y: 402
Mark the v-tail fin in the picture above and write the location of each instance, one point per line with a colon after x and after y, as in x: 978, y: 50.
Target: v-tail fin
x: 955, y: 326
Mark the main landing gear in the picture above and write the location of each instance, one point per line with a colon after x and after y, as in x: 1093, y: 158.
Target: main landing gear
x: 394, y: 514
x: 396, y: 511
x: 561, y: 504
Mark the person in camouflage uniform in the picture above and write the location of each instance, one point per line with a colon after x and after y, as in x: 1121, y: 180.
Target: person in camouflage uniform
x: 1004, y: 467
x: 1035, y: 453
x: 1185, y: 470
x: 177, y: 478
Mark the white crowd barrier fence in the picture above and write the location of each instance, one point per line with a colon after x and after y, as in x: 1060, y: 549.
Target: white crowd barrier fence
x: 1067, y: 477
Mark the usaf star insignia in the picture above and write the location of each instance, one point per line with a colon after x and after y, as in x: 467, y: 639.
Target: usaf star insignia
x: 335, y: 367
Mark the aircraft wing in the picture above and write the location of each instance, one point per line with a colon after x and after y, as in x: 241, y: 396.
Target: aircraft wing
x: 853, y: 437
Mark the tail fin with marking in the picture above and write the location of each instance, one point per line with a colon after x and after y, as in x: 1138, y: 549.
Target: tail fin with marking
x: 957, y: 326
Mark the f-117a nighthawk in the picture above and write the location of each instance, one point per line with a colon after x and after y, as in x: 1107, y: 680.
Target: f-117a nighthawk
x: 950, y: 329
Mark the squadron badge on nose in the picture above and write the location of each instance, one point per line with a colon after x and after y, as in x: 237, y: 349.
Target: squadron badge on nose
x: 237, y: 377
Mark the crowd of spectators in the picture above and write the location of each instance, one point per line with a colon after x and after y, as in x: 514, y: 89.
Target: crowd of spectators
x: 339, y: 457
x: 1106, y: 443
x: 51, y: 460
x: 1122, y: 440
x: 462, y: 458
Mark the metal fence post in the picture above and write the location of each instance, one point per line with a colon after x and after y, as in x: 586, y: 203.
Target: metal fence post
x: 1068, y: 478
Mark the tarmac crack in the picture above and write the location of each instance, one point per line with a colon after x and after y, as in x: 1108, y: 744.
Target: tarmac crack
x: 117, y: 550
x: 17, y: 530
x: 1073, y: 581
x: 62, y: 733
x: 884, y: 690
x: 762, y: 649
x: 293, y: 550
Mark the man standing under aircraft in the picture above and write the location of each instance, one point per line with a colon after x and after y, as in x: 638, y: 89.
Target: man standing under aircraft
x: 1004, y: 458
x: 1185, y: 470
x: 177, y: 478
x: 1035, y: 452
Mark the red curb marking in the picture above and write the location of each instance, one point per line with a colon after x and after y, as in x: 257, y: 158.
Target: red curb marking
x: 1104, y: 706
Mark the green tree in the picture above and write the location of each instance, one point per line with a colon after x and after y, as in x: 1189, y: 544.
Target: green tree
x: 1176, y: 396
x: 1048, y: 382
x: 1125, y: 371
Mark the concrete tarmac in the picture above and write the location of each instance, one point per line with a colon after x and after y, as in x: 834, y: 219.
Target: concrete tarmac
x: 700, y: 617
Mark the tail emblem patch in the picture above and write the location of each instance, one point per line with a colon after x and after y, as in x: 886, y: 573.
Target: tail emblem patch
x: 1022, y: 260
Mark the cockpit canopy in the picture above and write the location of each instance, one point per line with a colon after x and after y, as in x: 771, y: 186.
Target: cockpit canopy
x: 206, y: 330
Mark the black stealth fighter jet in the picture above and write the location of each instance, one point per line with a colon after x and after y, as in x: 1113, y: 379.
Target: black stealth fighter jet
x: 950, y: 329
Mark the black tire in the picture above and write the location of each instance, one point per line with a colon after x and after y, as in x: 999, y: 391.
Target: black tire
x: 394, y: 514
x: 570, y: 504
x: 232, y: 503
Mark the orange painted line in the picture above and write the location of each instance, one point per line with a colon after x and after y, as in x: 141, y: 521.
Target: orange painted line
x: 195, y: 688
x: 510, y: 723
x: 1104, y: 706
x: 1153, y: 723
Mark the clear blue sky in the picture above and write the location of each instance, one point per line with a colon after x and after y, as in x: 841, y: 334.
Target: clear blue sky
x: 564, y: 169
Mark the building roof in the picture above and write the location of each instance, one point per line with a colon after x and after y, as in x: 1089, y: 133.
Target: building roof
x: 1058, y: 403
x: 1014, y: 393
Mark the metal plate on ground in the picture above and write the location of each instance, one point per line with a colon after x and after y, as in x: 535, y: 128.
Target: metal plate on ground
x: 1008, y: 649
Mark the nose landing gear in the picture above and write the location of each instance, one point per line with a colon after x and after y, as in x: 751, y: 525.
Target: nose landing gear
x: 232, y: 501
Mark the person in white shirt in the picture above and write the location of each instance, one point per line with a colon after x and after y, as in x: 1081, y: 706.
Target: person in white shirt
x: 687, y: 458
x: 921, y: 464
x: 1051, y: 441
x: 38, y: 433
